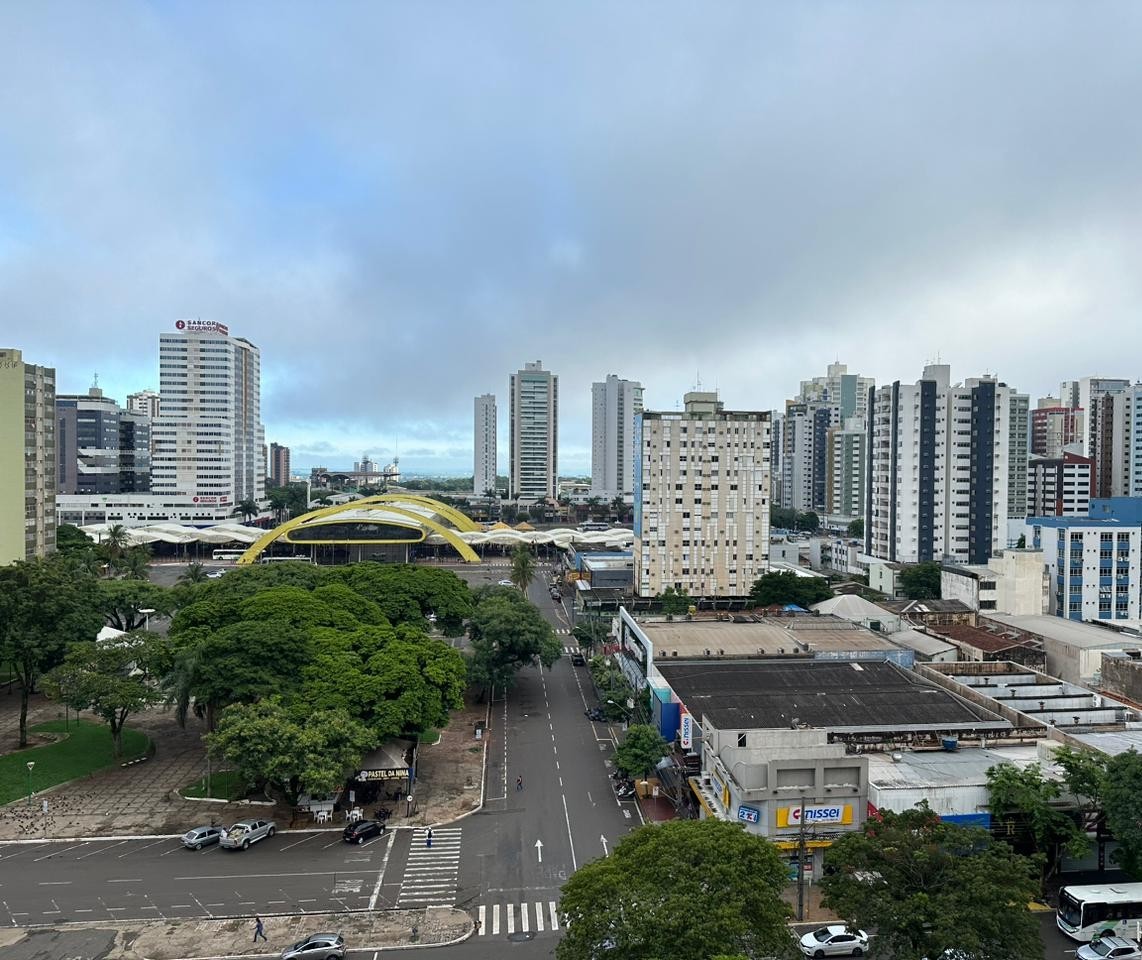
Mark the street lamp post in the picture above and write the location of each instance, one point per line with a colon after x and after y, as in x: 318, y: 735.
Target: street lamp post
x: 31, y: 764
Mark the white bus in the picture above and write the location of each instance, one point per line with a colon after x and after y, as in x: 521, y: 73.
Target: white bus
x: 228, y: 554
x: 1099, y: 910
x: 297, y: 559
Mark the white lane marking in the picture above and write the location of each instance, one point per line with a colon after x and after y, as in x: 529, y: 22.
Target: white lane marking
x: 139, y: 849
x: 296, y: 843
x: 553, y: 915
x: 523, y: 918
x: 84, y: 856
x: 123, y: 881
x: 55, y: 883
x: 496, y: 920
x: 263, y: 876
x: 567, y: 817
x: 482, y: 916
x: 626, y: 813
x: 380, y: 875
x: 48, y: 856
x: 509, y: 909
x: 539, y: 916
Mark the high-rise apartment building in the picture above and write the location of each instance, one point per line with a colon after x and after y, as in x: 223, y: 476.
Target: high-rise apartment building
x: 701, y: 499
x: 1059, y: 486
x: 1095, y: 397
x: 940, y: 468
x: 27, y: 458
x: 615, y: 404
x: 1018, y: 452
x: 846, y: 459
x: 100, y: 447
x: 833, y: 402
x: 534, y: 432
x: 484, y: 444
x: 209, y: 438
x: 279, y: 465
x: 1054, y: 427
x: 145, y: 402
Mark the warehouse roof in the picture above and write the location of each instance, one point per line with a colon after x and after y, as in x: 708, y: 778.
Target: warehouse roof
x: 751, y: 636
x: 1062, y: 630
x: 838, y: 695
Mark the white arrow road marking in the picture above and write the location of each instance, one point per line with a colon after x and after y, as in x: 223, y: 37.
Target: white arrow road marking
x: 539, y: 850
x: 604, y: 839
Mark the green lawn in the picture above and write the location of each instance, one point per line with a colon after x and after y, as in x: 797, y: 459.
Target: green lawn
x: 86, y: 748
x: 224, y: 785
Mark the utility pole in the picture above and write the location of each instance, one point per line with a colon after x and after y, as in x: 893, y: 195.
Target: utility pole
x: 801, y: 865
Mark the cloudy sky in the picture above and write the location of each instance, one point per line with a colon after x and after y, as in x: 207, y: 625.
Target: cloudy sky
x: 401, y: 203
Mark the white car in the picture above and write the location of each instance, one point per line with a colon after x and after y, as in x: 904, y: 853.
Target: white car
x: 1110, y: 948
x: 505, y: 583
x: 835, y: 940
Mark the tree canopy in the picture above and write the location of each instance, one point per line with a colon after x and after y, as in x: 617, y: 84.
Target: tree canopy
x: 788, y: 587
x: 674, y: 602
x: 921, y: 581
x: 508, y: 633
x: 641, y: 750
x: 684, y: 889
x: 1025, y: 796
x: 855, y: 528
x: 45, y: 605
x: 926, y: 886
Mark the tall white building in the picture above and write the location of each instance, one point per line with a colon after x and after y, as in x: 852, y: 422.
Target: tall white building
x: 701, y: 522
x: 484, y: 444
x: 1095, y: 397
x: 941, y: 468
x: 27, y: 458
x: 208, y: 439
x: 145, y: 402
x: 615, y: 404
x: 846, y: 462
x: 534, y: 432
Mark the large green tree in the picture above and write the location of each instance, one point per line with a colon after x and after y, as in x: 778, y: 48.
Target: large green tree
x: 122, y: 602
x: 926, y: 886
x: 110, y: 678
x: 508, y: 633
x: 674, y: 603
x: 855, y: 528
x: 921, y: 581
x: 1024, y: 797
x: 641, y: 750
x: 45, y: 605
x: 289, y: 752
x: 788, y: 587
x: 1122, y: 806
x: 684, y: 889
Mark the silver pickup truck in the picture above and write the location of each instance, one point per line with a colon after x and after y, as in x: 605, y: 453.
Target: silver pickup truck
x: 245, y: 832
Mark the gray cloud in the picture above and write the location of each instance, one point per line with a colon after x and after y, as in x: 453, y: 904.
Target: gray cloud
x: 401, y: 204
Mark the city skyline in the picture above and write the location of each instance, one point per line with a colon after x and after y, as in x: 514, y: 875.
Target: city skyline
x: 729, y: 193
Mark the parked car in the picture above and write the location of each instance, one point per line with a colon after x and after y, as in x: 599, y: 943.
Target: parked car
x: 201, y: 837
x: 578, y: 660
x: 1110, y: 948
x: 505, y: 583
x: 835, y: 940
x: 596, y: 714
x: 362, y: 830
x: 556, y: 595
x: 245, y: 832
x: 215, y: 574
x: 321, y: 946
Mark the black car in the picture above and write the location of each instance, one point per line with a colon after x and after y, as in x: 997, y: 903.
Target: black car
x: 362, y: 830
x: 596, y: 714
x: 578, y: 660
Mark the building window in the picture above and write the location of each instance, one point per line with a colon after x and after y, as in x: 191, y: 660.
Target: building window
x: 741, y: 740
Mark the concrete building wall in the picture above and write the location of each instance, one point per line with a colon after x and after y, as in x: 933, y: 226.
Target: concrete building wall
x: 702, y: 500
x: 615, y: 405
x: 27, y: 458
x: 484, y: 444
x: 1121, y: 676
x: 533, y: 432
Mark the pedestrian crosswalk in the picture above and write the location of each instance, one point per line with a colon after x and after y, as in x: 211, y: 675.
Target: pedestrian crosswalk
x: 430, y: 873
x: 538, y: 916
x: 562, y: 631
x: 572, y: 648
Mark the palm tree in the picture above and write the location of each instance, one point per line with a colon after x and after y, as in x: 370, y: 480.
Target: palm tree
x: 134, y: 563
x: 113, y: 544
x: 619, y: 509
x: 523, y: 567
x: 246, y: 509
x: 194, y: 573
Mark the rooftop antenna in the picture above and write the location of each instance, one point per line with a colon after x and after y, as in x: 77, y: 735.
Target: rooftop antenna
x: 697, y: 380
x: 95, y: 379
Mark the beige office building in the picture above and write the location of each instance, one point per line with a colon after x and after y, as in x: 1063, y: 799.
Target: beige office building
x: 701, y: 499
x: 27, y: 458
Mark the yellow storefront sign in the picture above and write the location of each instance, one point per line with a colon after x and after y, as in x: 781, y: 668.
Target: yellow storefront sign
x: 835, y: 813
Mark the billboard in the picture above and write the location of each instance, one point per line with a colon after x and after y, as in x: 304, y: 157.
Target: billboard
x: 815, y: 814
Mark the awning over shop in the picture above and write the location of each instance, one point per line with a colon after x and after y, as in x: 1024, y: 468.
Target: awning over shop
x: 392, y: 760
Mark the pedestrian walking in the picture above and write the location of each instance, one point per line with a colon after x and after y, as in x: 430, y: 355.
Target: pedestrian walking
x: 259, y: 929
x: 428, y: 838
x: 519, y: 783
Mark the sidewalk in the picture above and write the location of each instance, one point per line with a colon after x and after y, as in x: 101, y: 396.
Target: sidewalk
x: 814, y: 913
x: 185, y: 939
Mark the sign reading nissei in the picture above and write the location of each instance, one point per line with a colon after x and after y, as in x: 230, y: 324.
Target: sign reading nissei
x: 838, y: 813
x: 687, y: 731
x: 202, y: 326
